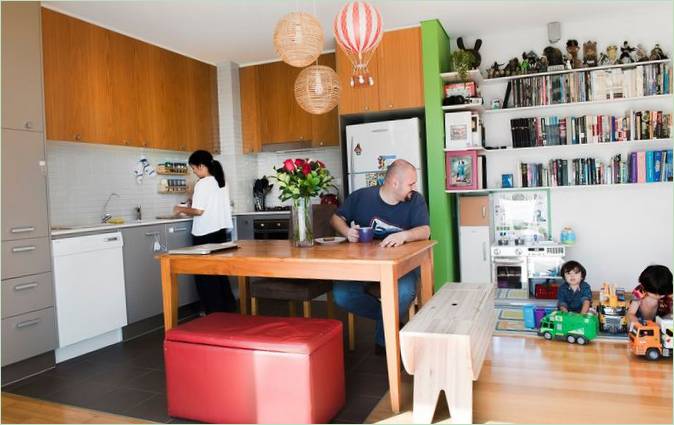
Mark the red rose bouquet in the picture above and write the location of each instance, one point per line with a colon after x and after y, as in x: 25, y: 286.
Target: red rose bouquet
x: 302, y: 178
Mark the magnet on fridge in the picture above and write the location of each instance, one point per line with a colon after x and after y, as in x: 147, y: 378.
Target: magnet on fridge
x: 358, y: 150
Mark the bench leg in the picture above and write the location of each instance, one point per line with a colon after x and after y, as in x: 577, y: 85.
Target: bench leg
x: 460, y: 397
x: 352, y: 332
x: 330, y: 304
x: 306, y: 309
x: 253, y: 306
x: 425, y: 399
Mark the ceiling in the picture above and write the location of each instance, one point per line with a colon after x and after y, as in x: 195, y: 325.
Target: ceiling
x: 241, y: 30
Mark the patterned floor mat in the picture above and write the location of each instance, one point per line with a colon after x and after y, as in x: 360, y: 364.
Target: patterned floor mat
x: 512, y: 294
x: 511, y: 319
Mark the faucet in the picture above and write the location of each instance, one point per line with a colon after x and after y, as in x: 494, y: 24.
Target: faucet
x: 106, y: 216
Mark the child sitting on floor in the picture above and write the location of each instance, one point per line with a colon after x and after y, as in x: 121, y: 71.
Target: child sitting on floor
x: 653, y: 296
x: 574, y: 294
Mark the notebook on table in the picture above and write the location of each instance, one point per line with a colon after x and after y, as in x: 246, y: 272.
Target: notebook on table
x: 206, y: 248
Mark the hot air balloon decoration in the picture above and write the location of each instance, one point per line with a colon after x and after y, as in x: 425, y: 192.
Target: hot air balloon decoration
x: 358, y: 31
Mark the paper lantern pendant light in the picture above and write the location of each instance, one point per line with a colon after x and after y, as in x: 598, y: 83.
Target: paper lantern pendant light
x: 358, y: 30
x: 298, y: 39
x: 317, y: 89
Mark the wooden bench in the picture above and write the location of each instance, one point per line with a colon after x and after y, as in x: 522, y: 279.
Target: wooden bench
x: 444, y: 346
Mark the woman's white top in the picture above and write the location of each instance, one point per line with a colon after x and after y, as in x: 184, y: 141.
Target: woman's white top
x: 214, y: 202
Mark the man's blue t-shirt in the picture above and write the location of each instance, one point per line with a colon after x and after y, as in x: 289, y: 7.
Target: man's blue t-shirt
x: 366, y: 208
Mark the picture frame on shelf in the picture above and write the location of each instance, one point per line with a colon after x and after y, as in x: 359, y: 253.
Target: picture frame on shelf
x: 458, y: 130
x: 506, y: 181
x: 461, y: 170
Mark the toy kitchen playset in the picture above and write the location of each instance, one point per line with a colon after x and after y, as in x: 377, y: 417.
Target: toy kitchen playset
x: 525, y: 261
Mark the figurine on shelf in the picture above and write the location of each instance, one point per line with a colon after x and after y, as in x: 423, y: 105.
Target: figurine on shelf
x: 553, y: 55
x: 641, y: 53
x: 495, y: 71
x: 477, y: 59
x: 590, y: 53
x: 513, y: 67
x: 572, y: 49
x: 528, y: 64
x: 610, y: 57
x: 626, y: 53
x: 657, y: 53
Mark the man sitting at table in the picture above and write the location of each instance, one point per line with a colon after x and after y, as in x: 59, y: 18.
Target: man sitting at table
x: 398, y: 214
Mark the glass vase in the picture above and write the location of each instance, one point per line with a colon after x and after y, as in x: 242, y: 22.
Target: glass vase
x: 302, y: 225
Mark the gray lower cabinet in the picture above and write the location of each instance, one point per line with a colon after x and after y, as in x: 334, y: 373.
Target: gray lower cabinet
x: 244, y: 227
x: 179, y: 235
x: 28, y: 335
x: 142, y: 271
x: 142, y: 274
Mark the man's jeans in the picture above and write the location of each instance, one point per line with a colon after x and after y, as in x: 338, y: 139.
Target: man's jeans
x: 353, y: 297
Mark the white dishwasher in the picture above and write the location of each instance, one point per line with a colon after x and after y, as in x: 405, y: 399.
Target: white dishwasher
x: 90, y: 297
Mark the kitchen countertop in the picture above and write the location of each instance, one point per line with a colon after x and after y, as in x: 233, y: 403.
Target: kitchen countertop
x: 287, y: 212
x: 71, y: 230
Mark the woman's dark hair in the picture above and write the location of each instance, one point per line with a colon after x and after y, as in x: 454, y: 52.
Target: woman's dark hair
x: 573, y: 266
x: 656, y: 279
x: 214, y: 167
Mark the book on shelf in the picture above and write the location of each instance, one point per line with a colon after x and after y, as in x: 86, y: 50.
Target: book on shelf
x: 557, y: 130
x: 590, y: 85
x: 636, y: 167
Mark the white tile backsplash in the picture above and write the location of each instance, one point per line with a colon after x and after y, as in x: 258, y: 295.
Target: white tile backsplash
x: 82, y: 176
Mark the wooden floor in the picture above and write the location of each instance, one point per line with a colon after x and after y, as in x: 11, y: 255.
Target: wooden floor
x: 530, y: 380
x: 21, y: 410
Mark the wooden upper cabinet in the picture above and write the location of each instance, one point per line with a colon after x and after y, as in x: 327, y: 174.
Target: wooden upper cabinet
x: 474, y: 211
x: 104, y: 87
x: 401, y: 81
x: 21, y: 66
x: 354, y: 100
x: 396, y: 68
x: 251, y: 119
x: 270, y: 114
x: 284, y: 120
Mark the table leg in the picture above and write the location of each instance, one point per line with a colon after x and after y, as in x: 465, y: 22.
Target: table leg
x: 169, y: 289
x: 427, y: 277
x: 243, y: 294
x: 390, y: 314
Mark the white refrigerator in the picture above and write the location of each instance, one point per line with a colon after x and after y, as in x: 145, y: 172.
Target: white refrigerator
x: 372, y: 147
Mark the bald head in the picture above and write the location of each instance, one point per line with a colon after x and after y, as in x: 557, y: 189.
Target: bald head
x: 400, y: 181
x: 398, y: 169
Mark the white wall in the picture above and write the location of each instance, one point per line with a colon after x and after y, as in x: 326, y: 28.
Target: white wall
x: 620, y: 230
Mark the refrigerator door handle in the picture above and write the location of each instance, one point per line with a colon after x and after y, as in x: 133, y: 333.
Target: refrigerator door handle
x: 380, y: 130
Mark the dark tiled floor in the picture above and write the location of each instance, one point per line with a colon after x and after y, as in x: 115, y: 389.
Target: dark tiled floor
x: 128, y: 378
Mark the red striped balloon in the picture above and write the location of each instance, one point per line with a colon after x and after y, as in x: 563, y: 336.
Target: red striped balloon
x: 358, y: 31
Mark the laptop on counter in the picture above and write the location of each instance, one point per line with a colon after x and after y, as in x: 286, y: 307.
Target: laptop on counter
x: 206, y: 248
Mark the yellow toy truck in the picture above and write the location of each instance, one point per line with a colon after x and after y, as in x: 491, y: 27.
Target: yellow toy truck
x: 652, y: 339
x: 612, y: 309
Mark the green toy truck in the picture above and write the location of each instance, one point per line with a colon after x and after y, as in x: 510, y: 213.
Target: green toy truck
x: 573, y: 327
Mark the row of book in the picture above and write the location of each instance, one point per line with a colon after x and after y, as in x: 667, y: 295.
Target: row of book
x: 635, y: 167
x: 554, y: 130
x: 583, y: 86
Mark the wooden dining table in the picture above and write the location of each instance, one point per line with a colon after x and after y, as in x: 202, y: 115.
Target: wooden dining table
x: 344, y: 261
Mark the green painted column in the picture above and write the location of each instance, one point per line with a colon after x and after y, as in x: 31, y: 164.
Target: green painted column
x: 435, y: 58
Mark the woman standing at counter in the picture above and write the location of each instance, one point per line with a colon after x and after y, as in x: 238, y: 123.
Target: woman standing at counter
x: 212, y: 217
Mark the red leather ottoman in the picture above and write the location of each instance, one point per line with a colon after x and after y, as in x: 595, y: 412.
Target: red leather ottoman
x: 230, y: 368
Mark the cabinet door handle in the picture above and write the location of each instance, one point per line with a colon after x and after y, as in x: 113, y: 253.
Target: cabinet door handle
x: 25, y: 286
x: 484, y: 212
x: 111, y: 239
x: 27, y: 323
x: 484, y: 251
x: 24, y: 248
x: 151, y: 233
x: 22, y: 229
x: 179, y: 229
x: 28, y: 125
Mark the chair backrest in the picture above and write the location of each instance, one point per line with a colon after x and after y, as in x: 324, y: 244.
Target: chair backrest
x: 321, y: 214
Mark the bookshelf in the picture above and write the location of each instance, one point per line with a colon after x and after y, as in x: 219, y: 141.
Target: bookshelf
x: 502, y: 158
x: 576, y: 104
x: 487, y: 81
x: 453, y: 77
x: 570, y: 187
x: 478, y: 107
